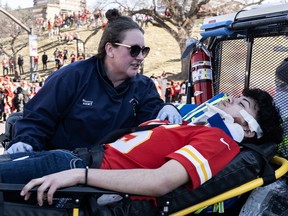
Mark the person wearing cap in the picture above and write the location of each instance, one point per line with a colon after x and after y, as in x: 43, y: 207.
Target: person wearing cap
x: 84, y: 101
x: 156, y: 161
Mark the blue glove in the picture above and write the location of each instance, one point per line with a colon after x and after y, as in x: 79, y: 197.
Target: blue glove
x: 171, y: 113
x: 19, y: 147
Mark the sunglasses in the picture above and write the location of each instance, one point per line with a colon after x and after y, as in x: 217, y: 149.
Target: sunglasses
x: 135, y: 49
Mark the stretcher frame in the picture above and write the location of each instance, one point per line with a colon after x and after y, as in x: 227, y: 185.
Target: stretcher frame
x: 281, y: 171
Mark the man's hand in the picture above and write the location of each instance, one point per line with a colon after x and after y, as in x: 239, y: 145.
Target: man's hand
x: 50, y: 183
x: 171, y: 113
x: 19, y: 147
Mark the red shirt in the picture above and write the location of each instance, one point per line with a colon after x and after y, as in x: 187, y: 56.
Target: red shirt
x: 203, y: 151
x: 73, y: 57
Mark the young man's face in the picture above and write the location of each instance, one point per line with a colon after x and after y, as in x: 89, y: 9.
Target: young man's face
x: 232, y: 106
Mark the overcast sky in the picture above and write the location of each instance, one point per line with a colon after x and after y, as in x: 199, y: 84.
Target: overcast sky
x: 29, y: 3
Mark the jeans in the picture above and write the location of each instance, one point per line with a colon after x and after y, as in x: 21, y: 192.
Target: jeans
x: 32, y: 165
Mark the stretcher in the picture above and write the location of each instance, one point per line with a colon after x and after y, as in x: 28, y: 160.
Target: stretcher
x: 69, y: 201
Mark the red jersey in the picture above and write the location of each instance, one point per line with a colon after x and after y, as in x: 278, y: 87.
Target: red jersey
x: 203, y: 151
x: 35, y: 58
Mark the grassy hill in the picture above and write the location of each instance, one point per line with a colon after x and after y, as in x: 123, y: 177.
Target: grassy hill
x: 164, y: 54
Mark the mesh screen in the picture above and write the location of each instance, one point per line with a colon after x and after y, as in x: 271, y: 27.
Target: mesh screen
x: 231, y: 63
x: 267, y: 54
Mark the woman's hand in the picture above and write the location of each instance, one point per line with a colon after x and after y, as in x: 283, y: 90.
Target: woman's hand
x: 171, y: 113
x: 50, y: 183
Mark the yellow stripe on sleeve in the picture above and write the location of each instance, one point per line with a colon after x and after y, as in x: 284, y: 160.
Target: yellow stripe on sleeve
x: 200, y: 163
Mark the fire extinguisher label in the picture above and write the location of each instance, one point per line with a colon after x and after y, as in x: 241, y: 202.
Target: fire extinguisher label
x: 201, y: 63
x: 202, y: 74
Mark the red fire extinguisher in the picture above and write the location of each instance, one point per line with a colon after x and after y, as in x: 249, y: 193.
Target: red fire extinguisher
x: 202, y: 76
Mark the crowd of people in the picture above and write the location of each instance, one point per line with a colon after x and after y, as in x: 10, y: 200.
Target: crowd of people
x: 142, y: 19
x: 14, y: 95
x: 14, y: 92
x: 9, y: 65
x: 169, y: 90
x: 61, y: 57
x: 12, y: 65
x: 60, y: 21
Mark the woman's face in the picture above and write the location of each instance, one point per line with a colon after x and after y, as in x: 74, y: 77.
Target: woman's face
x: 124, y: 63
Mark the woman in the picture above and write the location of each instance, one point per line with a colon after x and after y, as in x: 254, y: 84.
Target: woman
x: 82, y: 102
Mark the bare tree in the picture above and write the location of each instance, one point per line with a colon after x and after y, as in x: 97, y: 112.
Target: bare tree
x: 180, y: 15
x: 12, y: 37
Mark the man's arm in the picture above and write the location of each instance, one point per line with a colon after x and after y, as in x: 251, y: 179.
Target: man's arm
x: 149, y: 182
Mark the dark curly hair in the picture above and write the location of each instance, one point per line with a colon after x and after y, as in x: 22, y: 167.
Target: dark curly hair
x: 268, y: 116
x: 114, y: 30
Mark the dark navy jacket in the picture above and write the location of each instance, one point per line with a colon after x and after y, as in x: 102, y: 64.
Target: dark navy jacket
x: 78, y: 106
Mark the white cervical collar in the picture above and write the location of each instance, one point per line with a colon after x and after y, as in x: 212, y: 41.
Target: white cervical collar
x: 252, y: 123
x: 210, y: 111
x: 235, y: 129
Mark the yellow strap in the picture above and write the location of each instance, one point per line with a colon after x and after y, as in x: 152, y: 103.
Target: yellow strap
x: 215, y: 207
x: 75, y: 211
x: 221, y: 207
x: 199, y: 210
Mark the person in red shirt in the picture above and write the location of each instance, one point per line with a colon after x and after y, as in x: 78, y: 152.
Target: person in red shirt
x: 192, y: 150
x: 73, y: 57
x: 177, y: 89
x: 50, y: 29
x: 35, y: 60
